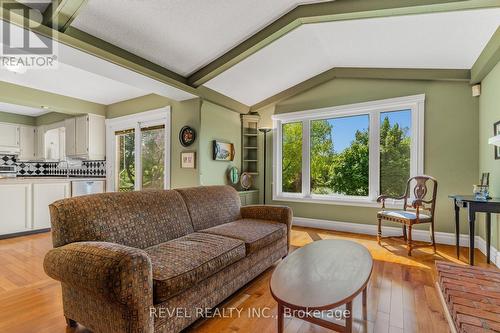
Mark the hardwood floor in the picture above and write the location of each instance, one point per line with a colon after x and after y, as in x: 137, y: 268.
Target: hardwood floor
x: 401, y: 293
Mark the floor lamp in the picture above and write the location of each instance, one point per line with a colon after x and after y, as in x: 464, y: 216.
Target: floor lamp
x: 265, y: 130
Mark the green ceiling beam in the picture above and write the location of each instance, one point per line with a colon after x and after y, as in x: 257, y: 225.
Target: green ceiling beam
x: 488, y: 59
x: 118, y: 52
x: 216, y: 98
x: 367, y: 73
x: 328, y: 12
x: 96, y: 47
x: 61, y: 13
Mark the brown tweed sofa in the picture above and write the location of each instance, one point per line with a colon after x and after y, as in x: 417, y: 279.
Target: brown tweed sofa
x: 150, y: 261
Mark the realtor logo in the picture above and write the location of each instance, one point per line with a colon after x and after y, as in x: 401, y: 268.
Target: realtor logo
x: 23, y: 49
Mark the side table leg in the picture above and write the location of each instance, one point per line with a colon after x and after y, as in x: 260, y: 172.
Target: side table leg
x: 457, y: 227
x: 348, y: 319
x: 488, y: 236
x: 281, y: 310
x: 472, y: 229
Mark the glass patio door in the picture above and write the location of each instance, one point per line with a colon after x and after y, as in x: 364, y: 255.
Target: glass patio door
x: 153, y: 157
x: 140, y: 158
x: 125, y: 160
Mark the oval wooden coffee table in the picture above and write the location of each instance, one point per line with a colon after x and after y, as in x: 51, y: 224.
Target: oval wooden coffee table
x: 321, y: 276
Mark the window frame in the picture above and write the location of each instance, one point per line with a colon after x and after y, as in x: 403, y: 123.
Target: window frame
x: 137, y: 122
x: 414, y: 103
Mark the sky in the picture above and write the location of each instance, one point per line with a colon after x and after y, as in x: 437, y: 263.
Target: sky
x: 344, y: 129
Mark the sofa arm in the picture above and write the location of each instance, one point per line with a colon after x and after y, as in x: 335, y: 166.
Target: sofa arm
x: 117, y: 273
x: 280, y: 214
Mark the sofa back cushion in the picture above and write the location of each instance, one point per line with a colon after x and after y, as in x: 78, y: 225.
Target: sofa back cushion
x: 137, y: 219
x: 211, y: 205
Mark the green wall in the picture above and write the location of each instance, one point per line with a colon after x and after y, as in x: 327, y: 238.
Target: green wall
x: 182, y: 114
x: 6, y: 117
x: 489, y: 113
x: 52, y: 117
x: 451, y: 139
x: 217, y: 123
x: 20, y: 95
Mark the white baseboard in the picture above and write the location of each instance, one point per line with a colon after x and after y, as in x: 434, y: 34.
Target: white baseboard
x: 419, y: 235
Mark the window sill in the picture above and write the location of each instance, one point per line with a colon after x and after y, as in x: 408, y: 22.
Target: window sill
x: 339, y: 201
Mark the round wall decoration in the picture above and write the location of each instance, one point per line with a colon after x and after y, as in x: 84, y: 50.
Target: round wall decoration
x: 233, y: 175
x: 187, y: 135
x: 246, y: 180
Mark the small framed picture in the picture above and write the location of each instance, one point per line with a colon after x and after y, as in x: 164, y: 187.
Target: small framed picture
x: 223, y: 151
x: 188, y: 160
x: 496, y: 131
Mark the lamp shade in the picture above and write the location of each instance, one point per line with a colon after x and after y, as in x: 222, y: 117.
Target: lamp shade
x: 494, y: 140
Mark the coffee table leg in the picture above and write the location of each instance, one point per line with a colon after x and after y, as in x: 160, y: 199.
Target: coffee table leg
x: 281, y: 310
x: 365, y: 312
x: 348, y: 319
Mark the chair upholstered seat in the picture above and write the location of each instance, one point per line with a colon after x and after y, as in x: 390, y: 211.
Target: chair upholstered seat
x: 256, y: 233
x: 181, y: 263
x: 393, y: 215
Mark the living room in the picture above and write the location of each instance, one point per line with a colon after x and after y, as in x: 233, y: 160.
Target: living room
x: 318, y: 166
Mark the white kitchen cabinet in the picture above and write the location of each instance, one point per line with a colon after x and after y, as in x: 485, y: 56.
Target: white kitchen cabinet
x: 82, y: 135
x: 27, y: 138
x: 15, y: 206
x: 43, y: 195
x: 40, y: 143
x: 9, y: 138
x: 87, y: 135
x: 70, y: 128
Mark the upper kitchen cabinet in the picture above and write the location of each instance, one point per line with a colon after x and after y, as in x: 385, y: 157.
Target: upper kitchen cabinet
x: 85, y: 137
x: 9, y: 138
x: 27, y: 143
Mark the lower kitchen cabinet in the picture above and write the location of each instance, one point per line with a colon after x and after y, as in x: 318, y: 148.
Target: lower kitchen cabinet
x: 16, y: 208
x: 43, y: 195
x: 25, y: 206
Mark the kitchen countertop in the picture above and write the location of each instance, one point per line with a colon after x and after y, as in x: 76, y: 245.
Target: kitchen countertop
x: 24, y: 180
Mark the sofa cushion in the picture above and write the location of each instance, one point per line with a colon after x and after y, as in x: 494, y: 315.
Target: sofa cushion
x: 209, y: 206
x: 255, y: 233
x: 181, y: 263
x: 137, y: 219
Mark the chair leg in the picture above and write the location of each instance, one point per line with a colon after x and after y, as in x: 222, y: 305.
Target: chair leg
x: 433, y: 237
x: 70, y: 322
x: 404, y: 232
x: 409, y: 242
x: 379, y: 232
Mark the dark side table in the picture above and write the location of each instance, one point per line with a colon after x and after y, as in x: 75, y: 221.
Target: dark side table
x: 474, y: 206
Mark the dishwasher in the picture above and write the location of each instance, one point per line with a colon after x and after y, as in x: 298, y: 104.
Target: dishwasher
x: 85, y: 187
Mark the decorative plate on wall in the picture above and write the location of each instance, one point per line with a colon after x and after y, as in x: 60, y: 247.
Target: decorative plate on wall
x: 246, y: 180
x: 234, y: 175
x: 187, y: 135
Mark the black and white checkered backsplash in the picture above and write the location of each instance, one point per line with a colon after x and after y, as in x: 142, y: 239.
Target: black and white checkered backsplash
x: 88, y: 168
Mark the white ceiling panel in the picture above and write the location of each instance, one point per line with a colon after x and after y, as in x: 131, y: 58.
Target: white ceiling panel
x: 81, y: 75
x: 21, y: 109
x: 180, y: 35
x: 73, y: 82
x: 40, y: 5
x: 451, y: 40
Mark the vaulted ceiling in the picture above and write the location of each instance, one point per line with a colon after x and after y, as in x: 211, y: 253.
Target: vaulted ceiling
x: 242, y: 52
x: 180, y: 35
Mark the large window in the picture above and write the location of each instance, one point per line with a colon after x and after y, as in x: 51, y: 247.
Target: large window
x: 350, y: 153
